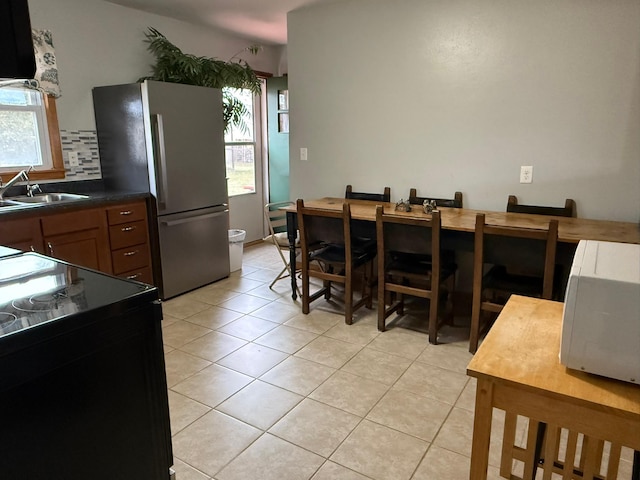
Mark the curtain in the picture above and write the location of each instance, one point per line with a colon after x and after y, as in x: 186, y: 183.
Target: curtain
x: 46, y: 77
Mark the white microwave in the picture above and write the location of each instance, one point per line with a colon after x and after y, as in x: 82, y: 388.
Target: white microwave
x: 601, y: 318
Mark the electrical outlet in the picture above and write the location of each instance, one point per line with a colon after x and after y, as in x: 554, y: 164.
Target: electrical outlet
x: 304, y: 154
x: 526, y: 174
x: 73, y: 159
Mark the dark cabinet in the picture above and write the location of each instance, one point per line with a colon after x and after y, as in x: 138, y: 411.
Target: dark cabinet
x: 83, y: 390
x: 78, y: 237
x: 129, y: 240
x: 112, y: 238
x: 22, y: 233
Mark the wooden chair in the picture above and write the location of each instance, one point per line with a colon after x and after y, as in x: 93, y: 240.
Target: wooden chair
x: 532, y: 250
x: 455, y: 202
x: 325, y: 238
x: 569, y: 209
x: 376, y: 197
x: 277, y: 222
x: 448, y: 256
x: 409, y: 263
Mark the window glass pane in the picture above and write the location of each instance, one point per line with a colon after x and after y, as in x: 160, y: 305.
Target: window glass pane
x: 241, y: 169
x: 240, y: 144
x: 19, y: 140
x: 244, y: 131
x: 19, y: 97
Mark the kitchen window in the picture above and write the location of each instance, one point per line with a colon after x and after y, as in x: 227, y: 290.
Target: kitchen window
x: 240, y: 146
x: 29, y: 134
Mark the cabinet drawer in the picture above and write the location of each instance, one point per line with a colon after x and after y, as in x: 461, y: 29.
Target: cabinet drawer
x: 130, y: 258
x: 60, y: 223
x: 130, y: 212
x: 126, y: 234
x: 140, y: 275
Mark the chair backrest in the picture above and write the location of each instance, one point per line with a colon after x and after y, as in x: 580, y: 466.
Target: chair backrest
x: 377, y: 197
x: 276, y: 218
x: 412, y: 235
x: 319, y: 227
x: 532, y: 249
x: 569, y: 209
x: 455, y: 202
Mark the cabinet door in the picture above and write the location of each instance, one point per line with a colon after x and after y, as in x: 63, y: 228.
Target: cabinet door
x: 22, y: 233
x: 79, y: 237
x: 81, y: 248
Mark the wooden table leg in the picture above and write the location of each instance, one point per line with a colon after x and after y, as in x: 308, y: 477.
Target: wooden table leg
x: 481, y: 430
x: 292, y: 234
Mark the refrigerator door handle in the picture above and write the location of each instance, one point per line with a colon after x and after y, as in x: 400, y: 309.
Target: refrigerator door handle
x: 160, y: 164
x: 171, y: 223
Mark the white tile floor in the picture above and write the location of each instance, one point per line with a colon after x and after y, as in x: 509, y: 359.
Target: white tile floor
x: 259, y: 391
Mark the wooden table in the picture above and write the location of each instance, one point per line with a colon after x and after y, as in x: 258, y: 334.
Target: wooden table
x: 458, y: 225
x: 518, y: 371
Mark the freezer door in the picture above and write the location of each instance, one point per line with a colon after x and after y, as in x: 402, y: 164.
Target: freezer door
x: 194, y: 249
x: 186, y: 136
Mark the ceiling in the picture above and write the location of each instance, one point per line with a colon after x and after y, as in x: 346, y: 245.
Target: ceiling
x: 264, y: 21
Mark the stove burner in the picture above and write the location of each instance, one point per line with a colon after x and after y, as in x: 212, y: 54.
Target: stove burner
x: 41, y: 302
x: 7, y: 320
x: 49, y: 297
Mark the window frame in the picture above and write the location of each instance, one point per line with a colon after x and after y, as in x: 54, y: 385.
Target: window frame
x: 254, y: 143
x: 57, y: 170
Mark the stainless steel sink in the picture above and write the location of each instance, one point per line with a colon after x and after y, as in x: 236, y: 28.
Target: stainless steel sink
x: 46, y: 198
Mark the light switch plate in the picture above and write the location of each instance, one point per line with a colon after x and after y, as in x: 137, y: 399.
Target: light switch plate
x: 304, y: 154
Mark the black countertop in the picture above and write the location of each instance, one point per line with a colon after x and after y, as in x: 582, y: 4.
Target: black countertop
x: 36, y: 291
x: 94, y: 189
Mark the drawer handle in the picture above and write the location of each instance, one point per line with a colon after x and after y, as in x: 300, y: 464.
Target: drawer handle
x: 50, y: 248
x: 128, y: 229
x: 134, y: 276
x: 129, y: 254
x: 125, y: 212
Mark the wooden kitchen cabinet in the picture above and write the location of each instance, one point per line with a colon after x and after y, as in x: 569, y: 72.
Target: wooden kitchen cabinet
x: 80, y: 237
x: 22, y: 233
x: 112, y: 238
x: 129, y: 240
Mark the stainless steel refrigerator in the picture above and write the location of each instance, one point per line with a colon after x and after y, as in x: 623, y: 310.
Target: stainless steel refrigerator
x: 168, y: 139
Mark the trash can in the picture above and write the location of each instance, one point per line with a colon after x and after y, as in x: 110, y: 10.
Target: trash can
x: 236, y: 237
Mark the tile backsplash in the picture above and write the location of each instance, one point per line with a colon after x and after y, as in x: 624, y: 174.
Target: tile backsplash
x: 84, y: 144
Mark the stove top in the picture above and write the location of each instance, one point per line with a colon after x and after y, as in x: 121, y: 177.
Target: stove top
x: 35, y: 289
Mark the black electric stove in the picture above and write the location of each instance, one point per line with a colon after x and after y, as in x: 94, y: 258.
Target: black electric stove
x: 83, y: 390
x: 36, y: 290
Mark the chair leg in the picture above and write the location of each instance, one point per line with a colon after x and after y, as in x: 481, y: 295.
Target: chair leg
x: 475, y: 324
x: 348, y: 301
x: 279, y: 276
x: 433, y: 316
x: 327, y: 284
x: 381, y: 305
x: 305, y: 288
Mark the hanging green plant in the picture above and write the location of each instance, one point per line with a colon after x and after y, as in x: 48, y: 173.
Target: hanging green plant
x: 173, y: 65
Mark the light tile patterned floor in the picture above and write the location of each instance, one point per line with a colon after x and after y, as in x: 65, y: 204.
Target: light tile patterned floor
x: 259, y: 391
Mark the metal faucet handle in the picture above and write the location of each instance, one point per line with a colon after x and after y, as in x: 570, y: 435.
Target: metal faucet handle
x: 31, y: 189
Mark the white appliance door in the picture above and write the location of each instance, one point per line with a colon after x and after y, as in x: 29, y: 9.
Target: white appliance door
x: 194, y: 249
x: 186, y: 136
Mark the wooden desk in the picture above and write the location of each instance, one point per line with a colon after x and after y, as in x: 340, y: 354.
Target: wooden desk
x: 458, y: 225
x: 518, y: 371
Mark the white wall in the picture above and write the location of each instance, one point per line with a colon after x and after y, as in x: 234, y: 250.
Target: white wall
x: 447, y: 95
x: 99, y: 43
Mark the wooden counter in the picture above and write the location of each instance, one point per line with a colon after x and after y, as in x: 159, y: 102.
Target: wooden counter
x: 518, y: 371
x: 458, y: 226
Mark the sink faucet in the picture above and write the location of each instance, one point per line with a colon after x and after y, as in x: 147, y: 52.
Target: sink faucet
x: 21, y: 176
